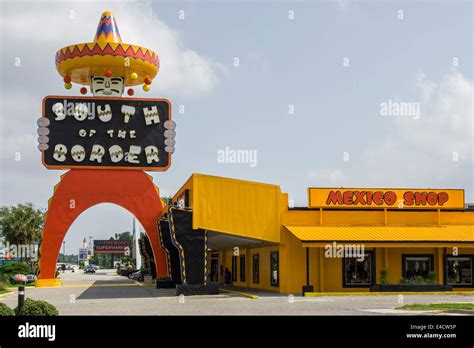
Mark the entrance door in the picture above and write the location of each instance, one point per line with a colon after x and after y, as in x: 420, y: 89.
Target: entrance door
x: 215, y: 267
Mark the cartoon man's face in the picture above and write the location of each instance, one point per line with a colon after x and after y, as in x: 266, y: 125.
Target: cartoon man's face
x: 107, y: 86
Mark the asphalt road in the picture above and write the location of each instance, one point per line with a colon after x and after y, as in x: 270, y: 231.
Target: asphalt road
x: 104, y: 293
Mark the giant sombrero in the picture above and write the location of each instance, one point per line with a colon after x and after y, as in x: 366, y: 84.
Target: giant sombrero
x: 107, y: 56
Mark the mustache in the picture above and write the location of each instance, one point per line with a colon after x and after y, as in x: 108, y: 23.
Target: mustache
x: 103, y: 89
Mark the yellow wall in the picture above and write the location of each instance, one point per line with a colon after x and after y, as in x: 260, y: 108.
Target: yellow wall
x: 237, y: 207
x: 457, y: 218
x: 295, y: 277
x: 376, y: 217
x: 188, y: 185
x: 259, y: 211
x: 264, y: 267
x: 293, y: 255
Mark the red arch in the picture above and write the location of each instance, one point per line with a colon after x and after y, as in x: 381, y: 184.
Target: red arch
x: 80, y: 189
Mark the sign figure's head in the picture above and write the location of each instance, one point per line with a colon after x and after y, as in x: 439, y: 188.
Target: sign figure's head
x: 107, y: 64
x: 107, y: 86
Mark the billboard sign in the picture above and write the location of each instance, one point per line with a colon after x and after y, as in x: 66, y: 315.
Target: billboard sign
x: 112, y: 247
x: 385, y: 198
x: 113, y: 133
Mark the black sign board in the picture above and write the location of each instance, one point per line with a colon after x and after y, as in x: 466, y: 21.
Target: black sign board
x: 112, y: 247
x: 113, y: 133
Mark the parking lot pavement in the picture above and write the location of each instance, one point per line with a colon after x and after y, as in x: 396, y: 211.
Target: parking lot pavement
x: 104, y: 293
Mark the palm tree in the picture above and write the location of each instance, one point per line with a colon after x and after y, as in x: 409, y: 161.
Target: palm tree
x: 21, y: 224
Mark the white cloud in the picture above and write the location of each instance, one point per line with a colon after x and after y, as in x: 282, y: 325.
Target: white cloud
x: 422, y: 152
x: 49, y: 26
x: 33, y: 31
x: 445, y: 125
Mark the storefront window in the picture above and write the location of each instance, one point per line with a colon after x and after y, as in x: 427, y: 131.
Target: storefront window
x: 459, y: 270
x: 415, y: 266
x: 234, y: 268
x: 242, y: 268
x: 274, y: 280
x: 357, y: 271
x: 255, y: 268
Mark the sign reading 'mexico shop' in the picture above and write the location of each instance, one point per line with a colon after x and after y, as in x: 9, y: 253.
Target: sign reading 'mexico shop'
x: 385, y: 198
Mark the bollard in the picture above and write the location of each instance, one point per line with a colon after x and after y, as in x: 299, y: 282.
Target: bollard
x: 21, y: 297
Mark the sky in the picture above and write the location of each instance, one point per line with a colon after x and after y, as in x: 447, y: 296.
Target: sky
x: 299, y: 84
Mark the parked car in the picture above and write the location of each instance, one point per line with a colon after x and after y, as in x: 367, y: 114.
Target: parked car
x: 71, y: 267
x: 96, y: 267
x: 89, y: 269
x: 30, y: 278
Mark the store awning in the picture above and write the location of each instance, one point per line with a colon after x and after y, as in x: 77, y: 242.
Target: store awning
x: 387, y: 236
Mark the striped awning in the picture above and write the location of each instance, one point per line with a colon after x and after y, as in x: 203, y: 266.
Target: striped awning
x: 388, y: 234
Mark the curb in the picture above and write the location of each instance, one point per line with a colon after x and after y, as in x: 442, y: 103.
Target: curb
x: 460, y: 311
x: 7, y: 293
x: 253, y: 297
x: 320, y: 294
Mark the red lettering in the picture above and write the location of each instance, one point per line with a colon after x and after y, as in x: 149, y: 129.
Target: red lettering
x: 378, y: 197
x: 334, y: 197
x: 432, y: 198
x: 390, y: 198
x: 348, y: 197
x: 359, y: 198
x: 368, y: 197
x: 420, y: 198
x: 442, y: 198
x: 408, y: 198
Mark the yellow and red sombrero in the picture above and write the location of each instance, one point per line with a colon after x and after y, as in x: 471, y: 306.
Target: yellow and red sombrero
x: 107, y: 56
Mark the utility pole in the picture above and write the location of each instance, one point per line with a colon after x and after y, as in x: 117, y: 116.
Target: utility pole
x: 135, y: 248
x: 64, y: 251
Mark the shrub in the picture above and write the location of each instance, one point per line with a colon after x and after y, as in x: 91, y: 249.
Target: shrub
x: 403, y: 280
x: 37, y: 308
x: 6, y: 311
x: 419, y: 280
x: 4, y: 282
x: 432, y: 278
x: 16, y: 268
x: 384, y: 276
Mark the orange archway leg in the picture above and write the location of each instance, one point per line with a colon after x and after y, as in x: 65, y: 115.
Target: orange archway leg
x: 80, y: 189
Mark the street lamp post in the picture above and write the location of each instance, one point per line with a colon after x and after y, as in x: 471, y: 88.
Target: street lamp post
x: 64, y: 251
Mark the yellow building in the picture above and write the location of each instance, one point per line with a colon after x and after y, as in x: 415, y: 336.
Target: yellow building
x: 345, y: 240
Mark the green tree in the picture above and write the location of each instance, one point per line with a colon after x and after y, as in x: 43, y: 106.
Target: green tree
x: 168, y: 200
x: 21, y: 224
x: 123, y: 236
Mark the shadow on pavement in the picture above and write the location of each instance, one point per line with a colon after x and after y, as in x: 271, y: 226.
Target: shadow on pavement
x: 102, y: 289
